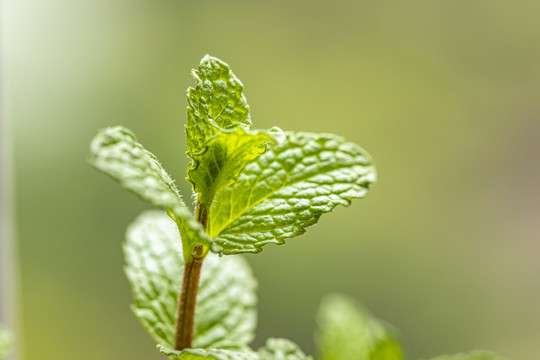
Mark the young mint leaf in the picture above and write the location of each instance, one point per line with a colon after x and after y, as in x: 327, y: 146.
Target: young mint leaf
x: 224, y: 156
x: 287, y: 189
x: 475, y: 355
x: 348, y: 332
x: 219, y: 141
x: 226, y: 303
x: 216, y: 103
x: 116, y: 152
x: 275, y: 349
x: 6, y: 339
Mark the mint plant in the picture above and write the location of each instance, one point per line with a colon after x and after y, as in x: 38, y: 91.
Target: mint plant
x: 252, y: 188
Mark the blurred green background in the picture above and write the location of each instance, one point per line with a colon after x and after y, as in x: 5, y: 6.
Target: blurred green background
x: 443, y: 94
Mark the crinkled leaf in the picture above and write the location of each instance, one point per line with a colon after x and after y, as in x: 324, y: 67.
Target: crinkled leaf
x: 226, y: 303
x: 217, y: 102
x: 348, y: 332
x: 275, y: 349
x: 224, y: 156
x: 218, y: 117
x: 6, y: 339
x: 116, y: 152
x: 210, y: 354
x: 282, y: 349
x: 474, y: 355
x: 287, y: 189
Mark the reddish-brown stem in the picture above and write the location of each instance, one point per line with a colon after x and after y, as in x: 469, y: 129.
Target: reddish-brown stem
x: 186, y: 304
x: 187, y: 300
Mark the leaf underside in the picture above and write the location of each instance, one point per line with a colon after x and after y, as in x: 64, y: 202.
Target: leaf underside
x: 275, y: 349
x: 287, y: 189
x: 226, y: 303
x: 116, y: 152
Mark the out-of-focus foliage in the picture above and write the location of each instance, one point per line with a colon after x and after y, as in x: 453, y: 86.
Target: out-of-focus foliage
x: 226, y: 316
x: 475, y: 355
x: 348, y: 332
x: 6, y: 338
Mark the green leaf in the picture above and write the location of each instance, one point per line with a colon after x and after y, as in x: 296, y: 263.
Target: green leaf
x: 210, y: 354
x: 226, y: 303
x: 346, y: 331
x: 282, y: 349
x: 224, y: 156
x: 474, y: 355
x: 287, y: 189
x: 116, y: 152
x: 275, y: 349
x: 217, y: 102
x: 6, y: 339
x: 219, y: 141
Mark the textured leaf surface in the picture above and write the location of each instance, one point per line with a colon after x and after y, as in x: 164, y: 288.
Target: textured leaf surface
x: 116, y: 152
x: 225, y: 155
x: 226, y: 303
x: 474, y: 355
x: 348, y: 332
x: 6, y: 338
x: 212, y: 354
x: 287, y: 189
x: 278, y: 349
x: 217, y: 102
x: 275, y: 349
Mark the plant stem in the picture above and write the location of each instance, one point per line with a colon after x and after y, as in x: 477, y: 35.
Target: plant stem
x: 187, y: 300
x: 186, y: 304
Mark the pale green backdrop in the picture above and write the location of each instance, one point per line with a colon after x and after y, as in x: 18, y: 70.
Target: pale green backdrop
x: 444, y: 95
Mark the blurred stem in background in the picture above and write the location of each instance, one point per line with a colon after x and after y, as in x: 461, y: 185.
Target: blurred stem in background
x: 8, y: 254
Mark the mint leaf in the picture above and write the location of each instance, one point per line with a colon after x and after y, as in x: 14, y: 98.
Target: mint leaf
x: 216, y: 103
x: 287, y: 189
x: 224, y: 156
x: 282, y: 349
x: 348, y: 332
x: 116, y: 152
x: 210, y: 354
x: 219, y: 142
x: 226, y: 303
x: 275, y: 349
x: 6, y: 339
x: 474, y: 355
